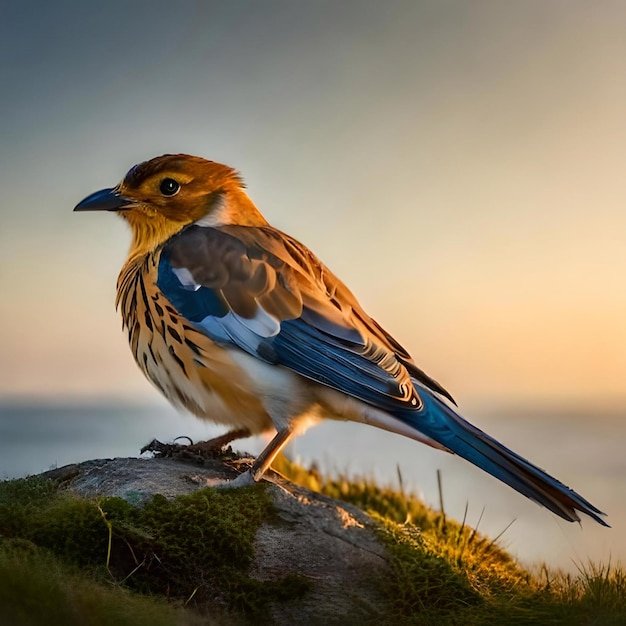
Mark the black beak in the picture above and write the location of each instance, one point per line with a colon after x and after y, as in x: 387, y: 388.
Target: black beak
x: 104, y: 200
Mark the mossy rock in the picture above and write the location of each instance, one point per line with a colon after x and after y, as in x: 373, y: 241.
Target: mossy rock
x: 146, y: 541
x: 257, y: 553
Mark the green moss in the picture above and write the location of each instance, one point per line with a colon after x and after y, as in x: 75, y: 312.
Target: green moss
x: 200, y: 546
x: 194, y: 549
x: 38, y: 589
x: 422, y: 580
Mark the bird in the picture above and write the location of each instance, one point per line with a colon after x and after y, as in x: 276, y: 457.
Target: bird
x: 241, y: 324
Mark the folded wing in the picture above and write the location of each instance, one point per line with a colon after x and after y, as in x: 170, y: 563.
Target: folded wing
x: 262, y: 291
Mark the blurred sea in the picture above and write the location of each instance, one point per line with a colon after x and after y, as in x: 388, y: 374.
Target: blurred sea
x: 585, y: 451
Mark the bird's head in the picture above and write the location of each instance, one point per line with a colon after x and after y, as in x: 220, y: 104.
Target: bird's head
x: 160, y: 197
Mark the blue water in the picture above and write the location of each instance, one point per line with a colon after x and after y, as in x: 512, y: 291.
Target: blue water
x: 584, y: 451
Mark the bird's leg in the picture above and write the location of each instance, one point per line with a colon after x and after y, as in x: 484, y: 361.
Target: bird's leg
x: 263, y: 461
x: 268, y: 454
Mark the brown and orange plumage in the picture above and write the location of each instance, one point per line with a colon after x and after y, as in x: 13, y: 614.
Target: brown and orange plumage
x: 241, y: 324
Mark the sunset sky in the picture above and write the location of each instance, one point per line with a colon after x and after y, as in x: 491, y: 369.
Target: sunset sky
x: 460, y: 165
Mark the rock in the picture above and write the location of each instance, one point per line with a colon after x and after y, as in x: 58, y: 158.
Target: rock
x: 331, y: 544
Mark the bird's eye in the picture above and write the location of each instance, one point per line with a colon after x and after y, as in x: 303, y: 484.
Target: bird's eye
x: 169, y: 187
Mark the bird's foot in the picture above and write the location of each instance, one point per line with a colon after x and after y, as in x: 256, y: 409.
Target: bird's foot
x: 211, y: 449
x: 243, y: 480
x: 160, y: 449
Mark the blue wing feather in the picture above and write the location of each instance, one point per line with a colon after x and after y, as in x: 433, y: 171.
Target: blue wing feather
x: 196, y: 304
x: 322, y: 357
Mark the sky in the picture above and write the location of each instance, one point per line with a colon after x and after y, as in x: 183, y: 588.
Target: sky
x: 458, y: 164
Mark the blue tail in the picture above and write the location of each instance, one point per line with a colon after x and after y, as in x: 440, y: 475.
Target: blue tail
x: 439, y: 421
